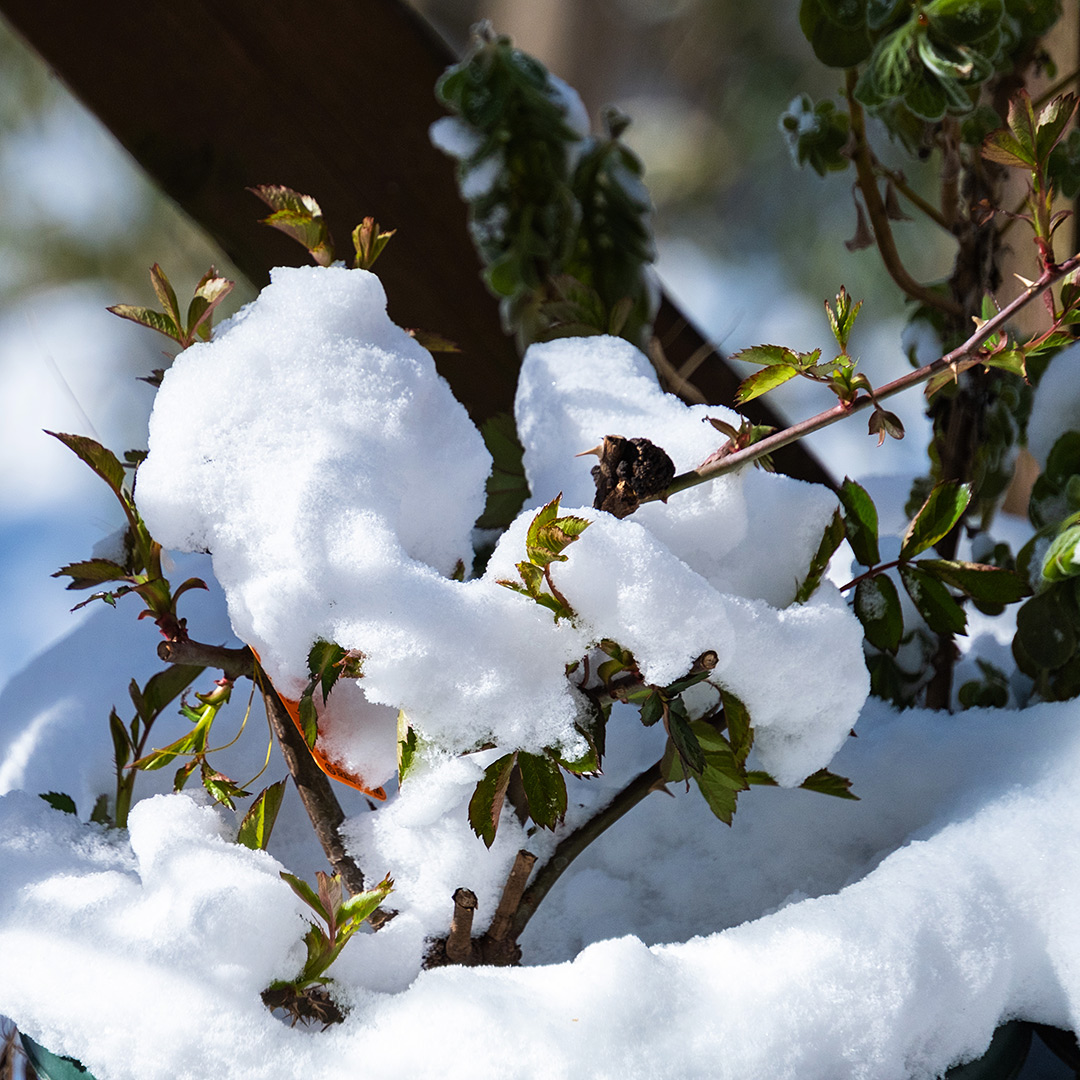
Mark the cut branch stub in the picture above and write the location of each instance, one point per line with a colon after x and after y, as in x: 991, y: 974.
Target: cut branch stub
x: 630, y: 471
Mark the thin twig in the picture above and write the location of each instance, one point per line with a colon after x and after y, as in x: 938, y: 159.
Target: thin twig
x: 928, y: 208
x: 235, y: 663
x: 511, y: 895
x: 774, y: 442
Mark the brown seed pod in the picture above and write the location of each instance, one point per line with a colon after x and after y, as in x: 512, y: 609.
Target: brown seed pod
x: 629, y: 470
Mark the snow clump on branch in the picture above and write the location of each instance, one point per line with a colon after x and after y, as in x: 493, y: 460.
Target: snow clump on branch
x: 336, y: 480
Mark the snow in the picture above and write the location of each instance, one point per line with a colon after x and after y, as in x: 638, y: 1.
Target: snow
x: 962, y: 889
x: 312, y: 449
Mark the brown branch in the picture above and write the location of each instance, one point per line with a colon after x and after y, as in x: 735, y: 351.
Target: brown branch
x: 779, y: 439
x: 574, y: 843
x: 459, y: 945
x: 511, y: 895
x: 314, y: 790
x: 234, y: 663
x: 879, y: 219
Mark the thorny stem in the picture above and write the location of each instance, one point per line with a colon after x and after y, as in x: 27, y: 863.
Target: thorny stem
x: 311, y: 782
x: 574, y: 843
x: 774, y: 442
x: 875, y: 207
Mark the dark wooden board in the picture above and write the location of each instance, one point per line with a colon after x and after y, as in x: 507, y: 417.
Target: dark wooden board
x: 332, y: 98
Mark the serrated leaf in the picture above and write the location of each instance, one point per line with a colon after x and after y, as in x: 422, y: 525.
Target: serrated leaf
x: 533, y: 577
x: 91, y: 572
x: 827, y: 783
x: 1012, y: 360
x: 407, y: 745
x: 258, y: 822
x: 103, y: 462
x: 652, y: 708
x: 768, y: 355
x: 1052, y: 122
x: 356, y: 908
x: 989, y: 584
x: 545, y: 789
x: 682, y: 735
x: 221, y: 788
x: 860, y: 522
x: 309, y: 719
x: 740, y: 728
x: 877, y: 606
x: 944, y: 507
x: 761, y: 382
x: 153, y: 320
x: 59, y: 801
x: 934, y: 602
x: 831, y: 539
x: 718, y: 790
x: 325, y: 659
x: 485, y: 806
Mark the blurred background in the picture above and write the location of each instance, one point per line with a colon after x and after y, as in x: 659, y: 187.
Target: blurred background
x: 748, y: 245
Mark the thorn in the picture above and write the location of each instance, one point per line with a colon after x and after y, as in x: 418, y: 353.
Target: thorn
x: 598, y: 450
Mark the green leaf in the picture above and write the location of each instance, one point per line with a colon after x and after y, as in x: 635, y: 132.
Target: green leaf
x: 944, y: 507
x: 85, y: 575
x: 50, y: 1066
x: 306, y: 893
x: 989, y: 584
x: 827, y: 783
x: 769, y: 356
x: 544, y: 787
x: 325, y: 661
x: 153, y: 320
x: 720, y: 786
x: 1052, y: 123
x: 59, y: 801
x: 309, y: 720
x: 190, y: 743
x: 682, y: 735
x: 877, y: 606
x: 652, y: 708
x: 740, y: 728
x: 935, y: 604
x: 122, y: 745
x: 220, y: 787
x: 761, y: 382
x: 258, y: 822
x: 407, y: 746
x: 860, y: 522
x: 830, y: 541
x: 486, y: 803
x: 103, y: 462
x: 1003, y: 148
x: 1045, y: 631
x: 507, y: 488
x: 298, y: 216
x: 842, y: 319
x: 1060, y: 561
x: 965, y: 21
x: 165, y: 686
x: 165, y: 293
x: 832, y: 44
x: 354, y: 909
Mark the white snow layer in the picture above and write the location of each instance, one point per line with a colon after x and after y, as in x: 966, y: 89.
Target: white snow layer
x: 336, y: 480
x: 146, y: 959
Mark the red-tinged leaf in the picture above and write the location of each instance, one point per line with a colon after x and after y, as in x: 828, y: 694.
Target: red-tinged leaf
x: 191, y: 583
x: 154, y: 320
x: 1004, y: 148
x: 306, y: 893
x: 944, y: 507
x: 934, y: 602
x: 103, y: 462
x: 860, y: 522
x: 545, y: 789
x: 85, y: 575
x: 258, y: 822
x: 485, y: 806
x: 165, y: 293
x: 884, y: 423
x: 768, y: 355
x: 877, y: 606
x: 761, y: 382
x: 1051, y: 124
x: 210, y: 291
